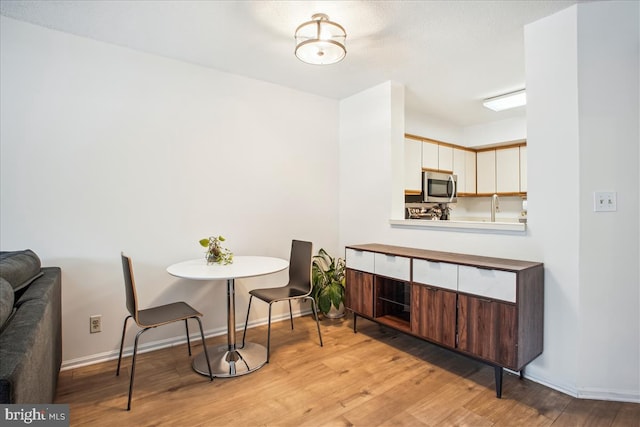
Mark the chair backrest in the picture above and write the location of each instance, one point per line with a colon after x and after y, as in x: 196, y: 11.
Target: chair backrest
x: 300, y: 265
x: 130, y: 286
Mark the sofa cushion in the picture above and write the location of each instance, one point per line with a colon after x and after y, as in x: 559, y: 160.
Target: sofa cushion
x: 19, y: 268
x: 6, y: 302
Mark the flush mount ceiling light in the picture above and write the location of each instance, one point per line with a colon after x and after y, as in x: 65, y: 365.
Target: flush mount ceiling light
x: 320, y: 41
x: 506, y: 101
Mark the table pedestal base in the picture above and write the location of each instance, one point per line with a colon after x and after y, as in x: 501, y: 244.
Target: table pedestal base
x: 226, y: 364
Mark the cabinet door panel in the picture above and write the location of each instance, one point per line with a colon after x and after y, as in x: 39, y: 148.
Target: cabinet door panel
x: 429, y: 155
x: 486, y: 329
x: 460, y: 168
x: 433, y: 314
x: 523, y: 169
x: 508, y: 170
x: 412, y: 165
x: 359, y: 292
x: 445, y: 158
x: 486, y: 172
x: 470, y: 172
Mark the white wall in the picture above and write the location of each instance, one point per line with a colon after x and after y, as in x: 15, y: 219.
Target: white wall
x: 107, y: 149
x: 498, y: 131
x: 371, y: 143
x: 584, y: 63
x: 609, y: 114
x: 429, y: 127
x: 601, y: 362
x: 553, y: 157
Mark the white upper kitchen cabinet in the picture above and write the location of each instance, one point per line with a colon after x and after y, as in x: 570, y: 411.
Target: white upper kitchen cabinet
x: 523, y: 169
x: 486, y: 172
x: 464, y: 166
x: 445, y: 158
x: 437, y: 157
x: 430, y: 155
x: 412, y: 165
x: 460, y: 169
x: 470, y: 172
x: 508, y: 170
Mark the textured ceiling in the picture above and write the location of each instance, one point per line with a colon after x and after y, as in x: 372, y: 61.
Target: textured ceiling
x: 449, y: 54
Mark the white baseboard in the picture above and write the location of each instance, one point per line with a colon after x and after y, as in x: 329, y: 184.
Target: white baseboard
x: 169, y: 342
x: 631, y: 396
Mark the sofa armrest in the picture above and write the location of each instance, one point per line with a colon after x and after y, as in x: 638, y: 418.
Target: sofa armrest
x: 31, y: 344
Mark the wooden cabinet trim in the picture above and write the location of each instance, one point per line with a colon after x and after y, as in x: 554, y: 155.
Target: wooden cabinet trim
x: 453, y: 258
x: 436, y: 170
x: 499, y: 146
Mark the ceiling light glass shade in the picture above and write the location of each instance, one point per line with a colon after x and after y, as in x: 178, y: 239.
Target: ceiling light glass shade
x: 320, y: 41
x: 506, y: 101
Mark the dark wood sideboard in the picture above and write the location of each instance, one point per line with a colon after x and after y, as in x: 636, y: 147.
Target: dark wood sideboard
x: 490, y: 309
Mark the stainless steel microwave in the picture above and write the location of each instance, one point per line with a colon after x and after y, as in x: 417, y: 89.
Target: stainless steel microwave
x: 438, y: 187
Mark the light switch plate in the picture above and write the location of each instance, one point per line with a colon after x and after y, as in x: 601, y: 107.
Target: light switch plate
x: 604, y: 201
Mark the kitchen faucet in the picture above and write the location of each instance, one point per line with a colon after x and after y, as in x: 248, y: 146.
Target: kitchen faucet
x: 495, y: 207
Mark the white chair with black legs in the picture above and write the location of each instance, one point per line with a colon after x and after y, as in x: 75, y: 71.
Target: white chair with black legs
x: 298, y: 287
x: 151, y: 318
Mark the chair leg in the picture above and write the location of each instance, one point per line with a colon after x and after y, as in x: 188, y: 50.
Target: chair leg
x: 124, y: 328
x: 186, y: 325
x: 133, y: 366
x: 269, y: 334
x: 246, y: 321
x: 315, y: 314
x: 204, y: 345
x: 290, y: 314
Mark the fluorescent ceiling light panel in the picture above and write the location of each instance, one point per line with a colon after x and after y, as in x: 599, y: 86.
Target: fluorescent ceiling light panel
x: 506, y: 101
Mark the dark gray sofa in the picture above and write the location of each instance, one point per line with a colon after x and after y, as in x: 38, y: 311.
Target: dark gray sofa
x: 30, y: 328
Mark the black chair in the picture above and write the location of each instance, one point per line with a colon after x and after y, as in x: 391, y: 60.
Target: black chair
x: 152, y: 318
x: 298, y: 287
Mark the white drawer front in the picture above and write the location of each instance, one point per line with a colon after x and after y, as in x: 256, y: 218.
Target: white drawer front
x: 441, y: 274
x: 360, y: 260
x: 495, y: 284
x: 396, y: 267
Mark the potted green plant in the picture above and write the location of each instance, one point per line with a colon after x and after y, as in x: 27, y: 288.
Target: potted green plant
x: 328, y: 276
x: 216, y: 254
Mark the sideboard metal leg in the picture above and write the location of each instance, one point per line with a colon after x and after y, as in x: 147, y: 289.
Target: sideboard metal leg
x: 355, y: 317
x: 498, y: 375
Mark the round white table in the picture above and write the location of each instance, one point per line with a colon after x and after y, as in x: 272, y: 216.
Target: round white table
x: 228, y: 360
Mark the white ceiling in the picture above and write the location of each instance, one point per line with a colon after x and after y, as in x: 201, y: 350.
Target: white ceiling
x: 450, y: 55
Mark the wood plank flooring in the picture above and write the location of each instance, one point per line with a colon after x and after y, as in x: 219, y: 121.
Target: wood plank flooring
x: 377, y: 377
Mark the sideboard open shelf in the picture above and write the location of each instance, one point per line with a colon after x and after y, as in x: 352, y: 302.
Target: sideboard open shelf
x: 490, y: 309
x: 393, y: 302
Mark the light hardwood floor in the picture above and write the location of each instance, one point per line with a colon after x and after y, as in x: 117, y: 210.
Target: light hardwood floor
x: 377, y: 377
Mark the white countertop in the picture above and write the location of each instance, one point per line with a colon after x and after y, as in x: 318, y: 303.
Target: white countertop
x: 459, y: 225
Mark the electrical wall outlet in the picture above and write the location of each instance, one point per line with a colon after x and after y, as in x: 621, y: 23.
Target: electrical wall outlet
x: 95, y: 323
x: 604, y: 201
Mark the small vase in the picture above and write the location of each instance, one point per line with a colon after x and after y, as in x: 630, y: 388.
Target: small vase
x: 211, y: 258
x: 335, y: 313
